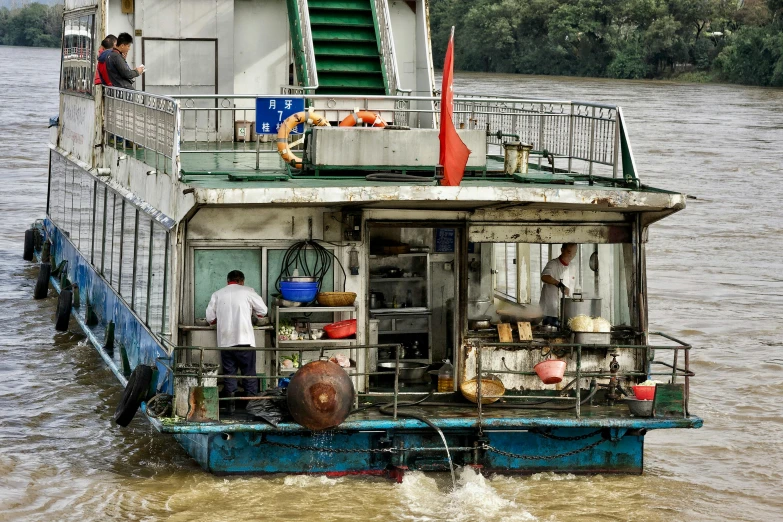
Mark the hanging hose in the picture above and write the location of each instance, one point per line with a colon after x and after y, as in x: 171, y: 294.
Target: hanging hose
x: 296, y: 258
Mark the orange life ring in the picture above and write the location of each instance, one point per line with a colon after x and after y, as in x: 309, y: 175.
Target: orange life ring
x: 359, y: 117
x: 310, y: 117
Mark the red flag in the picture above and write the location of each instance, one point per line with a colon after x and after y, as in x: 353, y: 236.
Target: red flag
x: 453, y: 152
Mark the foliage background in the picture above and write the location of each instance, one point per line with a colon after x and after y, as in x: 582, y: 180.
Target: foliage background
x: 738, y: 41
x: 731, y: 40
x: 32, y: 25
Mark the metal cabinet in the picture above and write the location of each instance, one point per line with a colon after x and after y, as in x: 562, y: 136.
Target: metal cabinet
x: 404, y: 316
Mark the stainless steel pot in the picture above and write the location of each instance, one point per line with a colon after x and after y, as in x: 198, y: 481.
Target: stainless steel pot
x: 592, y: 337
x: 479, y: 323
x: 376, y: 300
x: 300, y: 279
x: 578, y: 305
x: 409, y: 371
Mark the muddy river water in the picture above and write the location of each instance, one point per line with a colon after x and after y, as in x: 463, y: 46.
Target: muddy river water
x: 715, y: 279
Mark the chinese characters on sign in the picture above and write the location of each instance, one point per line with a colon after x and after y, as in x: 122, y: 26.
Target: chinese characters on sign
x: 273, y: 110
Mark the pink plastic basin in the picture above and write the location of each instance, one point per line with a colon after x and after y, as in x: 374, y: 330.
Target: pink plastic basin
x: 550, y: 371
x: 644, y: 393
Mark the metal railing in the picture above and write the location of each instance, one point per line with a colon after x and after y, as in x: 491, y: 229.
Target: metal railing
x: 647, y: 372
x: 578, y: 137
x: 145, y: 124
x: 673, y: 371
x: 386, y: 44
x: 200, y: 374
x: 307, y: 45
x: 582, y: 137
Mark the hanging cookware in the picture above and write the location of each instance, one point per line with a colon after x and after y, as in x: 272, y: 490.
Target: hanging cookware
x: 578, y: 305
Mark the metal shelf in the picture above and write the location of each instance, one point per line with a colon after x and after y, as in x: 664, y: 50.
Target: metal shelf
x: 395, y: 279
x: 337, y: 342
x: 427, y: 361
x: 295, y: 309
x: 393, y: 332
x: 411, y: 254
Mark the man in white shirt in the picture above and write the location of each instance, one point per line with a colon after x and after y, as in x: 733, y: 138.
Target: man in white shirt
x: 557, y: 275
x: 231, y: 308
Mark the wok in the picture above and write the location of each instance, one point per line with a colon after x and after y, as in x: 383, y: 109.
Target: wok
x: 409, y: 371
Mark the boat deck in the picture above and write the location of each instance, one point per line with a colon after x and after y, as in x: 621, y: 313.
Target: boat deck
x: 450, y: 417
x: 223, y: 165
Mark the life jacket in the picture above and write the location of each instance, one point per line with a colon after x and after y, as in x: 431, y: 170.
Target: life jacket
x: 101, y: 74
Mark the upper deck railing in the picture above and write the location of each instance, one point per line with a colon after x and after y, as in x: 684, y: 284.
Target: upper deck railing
x: 386, y: 44
x: 576, y: 137
x: 145, y: 125
x: 307, y: 45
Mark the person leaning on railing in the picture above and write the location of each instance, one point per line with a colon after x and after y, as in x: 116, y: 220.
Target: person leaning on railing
x: 120, y: 74
x: 101, y: 75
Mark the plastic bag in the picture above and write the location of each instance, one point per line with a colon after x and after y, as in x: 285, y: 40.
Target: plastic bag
x: 273, y: 410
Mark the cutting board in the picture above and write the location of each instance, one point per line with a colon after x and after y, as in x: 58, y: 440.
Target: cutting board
x: 525, y: 332
x: 504, y: 333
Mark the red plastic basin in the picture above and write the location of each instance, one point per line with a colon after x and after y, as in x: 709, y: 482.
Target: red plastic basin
x: 644, y: 393
x: 341, y: 329
x: 550, y: 371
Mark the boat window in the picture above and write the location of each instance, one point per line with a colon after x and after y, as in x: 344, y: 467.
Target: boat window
x: 78, y: 56
x: 511, y: 273
x: 505, y: 270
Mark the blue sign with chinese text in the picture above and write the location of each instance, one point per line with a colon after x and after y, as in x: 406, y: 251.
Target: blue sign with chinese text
x: 272, y: 110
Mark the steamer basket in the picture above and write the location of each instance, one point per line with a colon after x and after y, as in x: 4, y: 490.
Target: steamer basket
x: 336, y: 298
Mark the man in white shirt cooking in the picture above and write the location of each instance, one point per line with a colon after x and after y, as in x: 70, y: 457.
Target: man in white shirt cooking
x: 558, y: 275
x: 231, y: 308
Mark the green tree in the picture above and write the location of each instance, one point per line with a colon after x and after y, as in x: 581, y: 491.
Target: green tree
x: 34, y: 25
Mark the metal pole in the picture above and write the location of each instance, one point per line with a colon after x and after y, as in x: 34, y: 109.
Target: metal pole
x: 687, y: 379
x: 592, y: 140
x: 103, y: 233
x: 258, y: 151
x: 616, y: 142
x: 122, y: 236
x: 578, y: 381
x: 149, y: 272
x: 165, y: 285
x: 396, y: 377
x: 570, y: 137
x: 674, y: 365
x: 479, y: 349
x: 135, y: 254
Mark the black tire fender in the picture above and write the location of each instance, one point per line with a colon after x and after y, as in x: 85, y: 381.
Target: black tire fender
x: 42, y: 284
x: 29, y: 244
x: 64, y: 305
x: 135, y: 392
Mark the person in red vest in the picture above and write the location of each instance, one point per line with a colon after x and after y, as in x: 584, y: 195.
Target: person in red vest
x: 101, y: 75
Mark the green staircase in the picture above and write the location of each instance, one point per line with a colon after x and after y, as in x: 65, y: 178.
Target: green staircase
x: 345, y: 41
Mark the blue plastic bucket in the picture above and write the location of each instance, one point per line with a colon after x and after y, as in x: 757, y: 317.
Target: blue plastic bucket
x: 298, y: 291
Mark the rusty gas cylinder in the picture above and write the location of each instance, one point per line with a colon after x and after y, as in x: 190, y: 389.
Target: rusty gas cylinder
x: 320, y: 395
